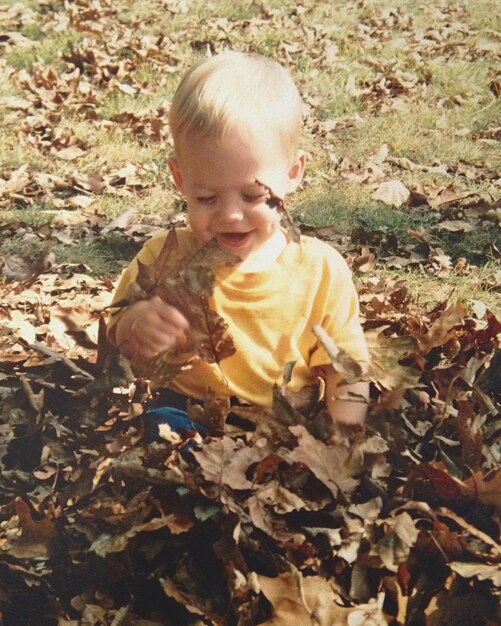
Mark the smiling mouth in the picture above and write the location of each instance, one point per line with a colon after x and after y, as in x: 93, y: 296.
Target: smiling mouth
x: 233, y: 240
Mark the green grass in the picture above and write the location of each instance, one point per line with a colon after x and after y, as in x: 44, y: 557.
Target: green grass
x: 33, y: 31
x: 447, y: 47
x: 48, y: 50
x: 428, y: 289
x: 344, y: 212
x: 104, y: 256
x: 478, y: 246
x: 116, y: 102
x: 30, y: 216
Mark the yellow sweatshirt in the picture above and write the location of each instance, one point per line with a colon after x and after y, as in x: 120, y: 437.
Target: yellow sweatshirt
x: 270, y: 315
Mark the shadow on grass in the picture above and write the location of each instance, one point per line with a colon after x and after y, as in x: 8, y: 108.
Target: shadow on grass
x: 477, y: 246
x: 104, y: 255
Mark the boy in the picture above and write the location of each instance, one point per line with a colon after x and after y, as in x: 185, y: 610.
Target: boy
x: 236, y: 121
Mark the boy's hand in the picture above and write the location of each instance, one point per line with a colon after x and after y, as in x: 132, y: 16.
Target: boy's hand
x: 347, y: 404
x: 149, y: 327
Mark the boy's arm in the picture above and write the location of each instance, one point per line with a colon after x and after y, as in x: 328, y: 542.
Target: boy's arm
x: 347, y: 404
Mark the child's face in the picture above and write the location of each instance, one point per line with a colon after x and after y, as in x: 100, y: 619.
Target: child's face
x: 218, y: 178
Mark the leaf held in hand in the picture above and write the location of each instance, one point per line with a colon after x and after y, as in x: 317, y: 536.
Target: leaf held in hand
x: 341, y: 360
x: 186, y: 284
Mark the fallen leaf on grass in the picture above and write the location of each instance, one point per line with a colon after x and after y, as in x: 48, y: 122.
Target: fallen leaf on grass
x: 392, y: 192
x: 70, y: 153
x: 447, y: 195
x: 120, y: 222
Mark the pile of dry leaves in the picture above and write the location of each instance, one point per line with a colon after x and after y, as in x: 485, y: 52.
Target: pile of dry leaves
x: 276, y: 517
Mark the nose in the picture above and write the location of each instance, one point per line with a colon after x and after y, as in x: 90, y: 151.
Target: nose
x: 230, y: 211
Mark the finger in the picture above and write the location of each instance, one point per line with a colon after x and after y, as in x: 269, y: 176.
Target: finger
x: 159, y: 334
x: 156, y: 341
x: 169, y: 313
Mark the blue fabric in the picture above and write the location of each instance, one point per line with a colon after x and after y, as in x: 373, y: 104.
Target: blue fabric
x: 177, y: 419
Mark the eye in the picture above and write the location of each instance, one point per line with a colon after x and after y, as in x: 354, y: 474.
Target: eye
x: 205, y: 199
x: 253, y: 198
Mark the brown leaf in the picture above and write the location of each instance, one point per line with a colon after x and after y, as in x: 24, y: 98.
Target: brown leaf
x: 117, y: 542
x: 187, y: 285
x: 447, y: 196
x: 469, y: 434
x: 16, y: 182
x: 274, y: 202
x: 38, y: 536
x: 280, y: 499
x: 428, y: 476
x: 306, y: 600
x: 121, y: 222
x: 212, y: 414
x: 341, y: 360
x: 27, y: 269
x: 478, y: 570
x: 149, y: 276
x: 443, y: 328
x: 401, y: 535
x: 329, y: 463
x: 227, y: 461
x: 457, y: 226
x: 487, y: 489
x: 193, y: 603
x: 384, y: 362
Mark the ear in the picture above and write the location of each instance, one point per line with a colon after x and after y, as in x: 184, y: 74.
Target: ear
x: 176, y: 174
x: 296, y: 171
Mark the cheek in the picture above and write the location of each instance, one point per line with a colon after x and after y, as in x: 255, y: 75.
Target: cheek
x: 269, y: 217
x: 198, y: 221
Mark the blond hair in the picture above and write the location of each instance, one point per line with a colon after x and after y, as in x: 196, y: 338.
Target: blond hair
x: 235, y: 90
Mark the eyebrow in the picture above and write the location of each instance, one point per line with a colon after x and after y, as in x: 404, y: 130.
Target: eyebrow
x: 250, y: 186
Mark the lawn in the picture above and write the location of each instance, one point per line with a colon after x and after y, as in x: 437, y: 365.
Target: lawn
x: 401, y: 123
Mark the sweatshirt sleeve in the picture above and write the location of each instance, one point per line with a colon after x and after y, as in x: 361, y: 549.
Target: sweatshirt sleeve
x: 340, y: 314
x: 146, y: 255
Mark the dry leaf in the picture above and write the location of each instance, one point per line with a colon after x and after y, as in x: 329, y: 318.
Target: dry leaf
x: 71, y: 153
x: 185, y: 284
x: 392, y: 192
x: 329, y: 463
x: 341, y: 360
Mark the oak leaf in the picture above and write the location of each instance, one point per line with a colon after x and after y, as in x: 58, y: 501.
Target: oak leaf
x: 306, y: 600
x: 384, y: 363
x: 329, y: 463
x: 186, y: 284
